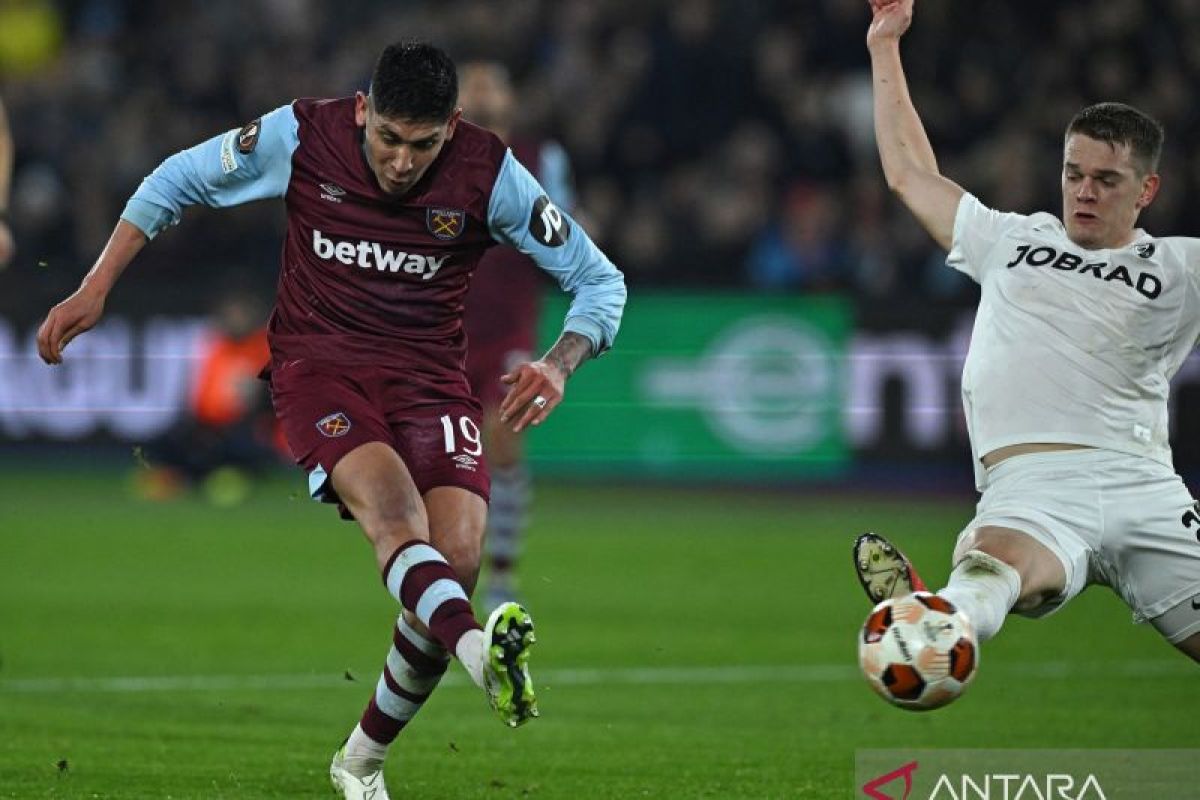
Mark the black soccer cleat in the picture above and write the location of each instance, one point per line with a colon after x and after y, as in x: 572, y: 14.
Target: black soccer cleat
x: 883, y: 570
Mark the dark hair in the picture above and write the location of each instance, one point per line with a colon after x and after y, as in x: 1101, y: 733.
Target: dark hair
x: 1117, y: 123
x: 414, y: 81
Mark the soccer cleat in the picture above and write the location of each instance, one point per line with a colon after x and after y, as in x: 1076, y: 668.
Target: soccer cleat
x: 508, y: 636
x: 352, y: 787
x: 883, y: 570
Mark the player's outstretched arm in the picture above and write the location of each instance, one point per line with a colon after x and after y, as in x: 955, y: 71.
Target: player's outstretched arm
x: 908, y: 160
x: 545, y: 378
x: 82, y: 310
x: 521, y: 214
x: 251, y: 163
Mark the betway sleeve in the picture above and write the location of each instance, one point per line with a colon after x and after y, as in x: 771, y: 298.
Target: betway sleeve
x: 522, y: 215
x: 249, y: 163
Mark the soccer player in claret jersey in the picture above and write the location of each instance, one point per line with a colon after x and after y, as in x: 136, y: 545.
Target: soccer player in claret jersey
x: 502, y: 312
x: 391, y: 201
x: 1081, y: 324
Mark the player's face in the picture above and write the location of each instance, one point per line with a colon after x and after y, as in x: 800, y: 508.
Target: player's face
x: 398, y: 150
x: 1104, y: 191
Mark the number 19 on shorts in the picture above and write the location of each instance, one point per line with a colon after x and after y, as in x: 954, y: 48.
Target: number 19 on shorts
x: 472, y: 442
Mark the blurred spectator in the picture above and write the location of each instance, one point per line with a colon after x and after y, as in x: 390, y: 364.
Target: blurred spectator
x: 686, y: 122
x: 230, y: 435
x: 804, y: 248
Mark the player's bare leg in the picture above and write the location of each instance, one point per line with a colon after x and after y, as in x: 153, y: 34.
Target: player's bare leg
x: 1041, y: 572
x: 509, y: 508
x: 432, y: 583
x: 1180, y: 626
x: 456, y: 519
x: 375, y: 485
x: 456, y: 523
x: 1191, y: 647
x: 998, y: 570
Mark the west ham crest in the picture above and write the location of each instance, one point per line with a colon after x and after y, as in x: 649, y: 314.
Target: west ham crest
x: 445, y: 223
x: 334, y: 425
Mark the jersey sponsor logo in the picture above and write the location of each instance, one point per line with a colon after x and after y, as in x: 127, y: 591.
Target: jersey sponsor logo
x: 332, y: 192
x: 547, y: 223
x: 1145, y: 283
x: 372, y: 255
x: 334, y: 425
x: 247, y: 138
x: 445, y: 223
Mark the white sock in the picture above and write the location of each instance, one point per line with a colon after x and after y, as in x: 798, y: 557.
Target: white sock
x: 985, y: 589
x: 469, y: 651
x: 363, y: 755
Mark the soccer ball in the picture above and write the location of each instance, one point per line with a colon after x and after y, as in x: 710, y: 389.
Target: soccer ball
x: 918, y: 652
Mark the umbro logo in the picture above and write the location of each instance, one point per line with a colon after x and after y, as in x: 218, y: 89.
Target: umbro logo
x: 466, y: 462
x: 332, y: 192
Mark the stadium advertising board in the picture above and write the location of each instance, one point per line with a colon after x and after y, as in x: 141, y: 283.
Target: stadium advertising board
x: 707, y: 387
x: 698, y: 386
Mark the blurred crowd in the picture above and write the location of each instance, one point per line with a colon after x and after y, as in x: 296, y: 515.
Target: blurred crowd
x: 714, y: 143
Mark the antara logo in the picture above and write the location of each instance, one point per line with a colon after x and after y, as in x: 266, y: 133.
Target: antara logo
x: 872, y: 787
x: 368, y: 255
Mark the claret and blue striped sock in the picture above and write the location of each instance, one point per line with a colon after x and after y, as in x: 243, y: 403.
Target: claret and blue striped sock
x: 420, y: 578
x: 414, y: 666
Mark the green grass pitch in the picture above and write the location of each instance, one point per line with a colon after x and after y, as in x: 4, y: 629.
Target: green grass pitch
x: 692, y: 644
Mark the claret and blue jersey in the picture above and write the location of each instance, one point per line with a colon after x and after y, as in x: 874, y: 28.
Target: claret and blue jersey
x: 372, y: 277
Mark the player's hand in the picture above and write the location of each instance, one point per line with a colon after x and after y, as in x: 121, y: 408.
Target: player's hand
x: 535, y: 388
x: 78, y: 313
x: 890, y: 20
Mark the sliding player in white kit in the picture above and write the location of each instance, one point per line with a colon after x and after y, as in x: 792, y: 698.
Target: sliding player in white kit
x: 1081, y: 324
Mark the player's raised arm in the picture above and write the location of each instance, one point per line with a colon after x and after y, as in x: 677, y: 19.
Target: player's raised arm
x: 521, y: 214
x: 250, y: 163
x: 908, y: 161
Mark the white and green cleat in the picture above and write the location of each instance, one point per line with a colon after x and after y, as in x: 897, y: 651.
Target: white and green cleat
x: 508, y: 636
x: 353, y: 787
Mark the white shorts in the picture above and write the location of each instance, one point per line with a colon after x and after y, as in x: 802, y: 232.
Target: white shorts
x: 1119, y: 520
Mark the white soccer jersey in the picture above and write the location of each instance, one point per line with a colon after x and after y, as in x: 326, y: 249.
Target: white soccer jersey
x: 1072, y: 345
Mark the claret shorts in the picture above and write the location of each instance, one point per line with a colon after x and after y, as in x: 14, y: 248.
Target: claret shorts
x: 328, y: 409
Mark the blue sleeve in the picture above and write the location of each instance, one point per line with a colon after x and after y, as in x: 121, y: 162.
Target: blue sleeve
x: 521, y: 214
x: 244, y: 164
